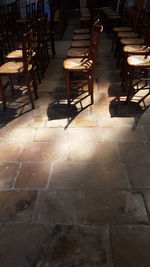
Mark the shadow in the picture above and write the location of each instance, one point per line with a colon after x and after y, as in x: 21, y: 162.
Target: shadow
x: 59, y: 108
x: 17, y: 105
x: 118, y: 108
x: 136, y: 106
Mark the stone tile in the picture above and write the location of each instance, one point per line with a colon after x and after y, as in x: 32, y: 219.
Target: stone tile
x: 89, y: 176
x: 96, y: 152
x: 44, y: 152
x: 146, y: 194
x: 9, y: 152
x: 8, y: 173
x: 33, y: 175
x: 84, y: 121
x: 139, y: 175
x: 38, y: 122
x: 144, y: 120
x: 57, y: 123
x: 20, y: 243
x: 50, y: 135
x: 122, y: 134
x: 117, y: 207
x: 17, y: 206
x: 84, y: 135
x: 113, y: 122
x: 44, y: 245
x: 98, y: 109
x: 16, y: 135
x: 60, y: 207
x: 75, y: 245
x: 20, y: 122
x: 131, y: 246
x: 147, y: 131
x: 134, y: 152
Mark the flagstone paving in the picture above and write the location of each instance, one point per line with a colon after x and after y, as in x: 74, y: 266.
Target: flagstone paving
x: 75, y: 182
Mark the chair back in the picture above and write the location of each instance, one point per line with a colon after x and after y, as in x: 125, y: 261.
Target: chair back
x: 27, y: 49
x: 94, y: 43
x: 40, y: 7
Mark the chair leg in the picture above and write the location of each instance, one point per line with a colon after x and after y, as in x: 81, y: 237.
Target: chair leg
x: 130, y: 81
x: 113, y: 42
x: 35, y: 88
x: 90, y: 85
x: 124, y: 72
x: 30, y: 93
x: 53, y: 45
x: 68, y: 86
x: 36, y: 67
x: 11, y: 85
x: 2, y: 95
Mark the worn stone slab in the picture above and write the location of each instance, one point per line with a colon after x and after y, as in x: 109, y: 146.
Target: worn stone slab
x: 38, y: 121
x: 117, y: 207
x: 19, y: 122
x: 9, y: 152
x: 50, y: 135
x: 147, y: 131
x: 130, y: 246
x: 122, y: 134
x: 16, y: 135
x: 96, y: 152
x: 113, y: 122
x: 134, y: 152
x: 84, y: 135
x: 8, y: 173
x: 146, y: 194
x: 33, y: 175
x: 89, y: 176
x: 84, y: 121
x: 55, y: 245
x: 139, y: 175
x: 44, y: 152
x: 17, y: 206
x: 20, y: 243
x: 60, y: 207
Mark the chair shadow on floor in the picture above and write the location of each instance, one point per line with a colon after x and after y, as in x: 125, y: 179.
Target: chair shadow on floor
x: 136, y: 107
x: 59, y: 108
x: 17, y: 105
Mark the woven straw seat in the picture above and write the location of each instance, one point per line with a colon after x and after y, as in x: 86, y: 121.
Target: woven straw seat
x: 128, y: 41
x: 135, y: 49
x: 81, y: 31
x: 127, y: 35
x: 122, y: 29
x: 80, y: 44
x: 139, y: 61
x: 77, y: 52
x: 77, y: 64
x: 81, y: 37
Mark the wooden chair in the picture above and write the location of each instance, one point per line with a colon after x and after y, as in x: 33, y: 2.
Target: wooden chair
x: 40, y: 8
x: 82, y: 51
x: 83, y: 65
x: 24, y: 69
x: 137, y: 64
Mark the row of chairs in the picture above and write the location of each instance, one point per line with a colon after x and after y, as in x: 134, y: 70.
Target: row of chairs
x: 29, y: 62
x: 131, y: 43
x: 81, y: 58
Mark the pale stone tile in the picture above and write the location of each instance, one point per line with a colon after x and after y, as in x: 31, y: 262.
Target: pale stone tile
x: 60, y: 207
x: 117, y: 207
x: 131, y: 245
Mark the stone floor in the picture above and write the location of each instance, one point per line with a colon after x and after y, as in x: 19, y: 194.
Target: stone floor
x: 75, y: 182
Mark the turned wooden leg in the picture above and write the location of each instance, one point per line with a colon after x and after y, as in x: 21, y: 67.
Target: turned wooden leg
x: 130, y: 81
x: 90, y: 85
x: 2, y: 95
x: 68, y: 86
